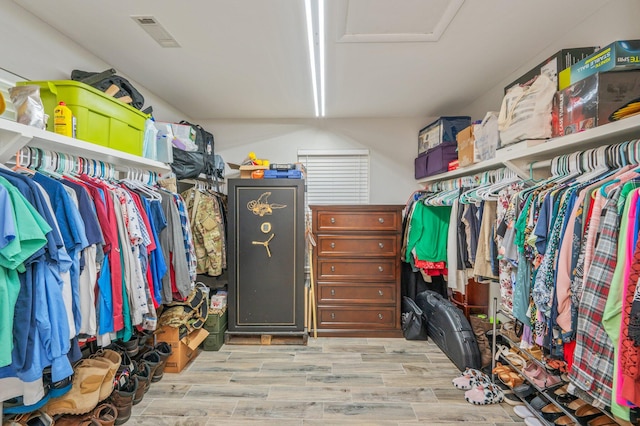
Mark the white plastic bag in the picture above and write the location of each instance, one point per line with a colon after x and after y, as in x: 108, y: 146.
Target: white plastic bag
x: 526, y: 111
x: 487, y: 137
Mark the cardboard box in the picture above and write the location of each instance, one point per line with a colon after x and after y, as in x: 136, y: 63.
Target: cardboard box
x: 466, y: 146
x: 553, y: 65
x: 443, y: 130
x: 184, y: 349
x: 620, y: 55
x: 596, y: 100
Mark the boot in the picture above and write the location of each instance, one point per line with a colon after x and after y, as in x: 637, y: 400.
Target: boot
x: 164, y: 350
x: 114, y: 360
x: 143, y: 372
x: 122, y: 397
x: 153, y: 359
x: 104, y: 415
x: 85, y: 390
x: 480, y: 327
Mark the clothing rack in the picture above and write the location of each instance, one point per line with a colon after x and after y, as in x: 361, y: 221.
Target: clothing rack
x: 30, y: 158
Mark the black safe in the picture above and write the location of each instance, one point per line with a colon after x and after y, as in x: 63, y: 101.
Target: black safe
x: 266, y: 255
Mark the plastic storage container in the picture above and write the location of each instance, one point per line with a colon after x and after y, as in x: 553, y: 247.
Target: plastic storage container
x: 100, y: 118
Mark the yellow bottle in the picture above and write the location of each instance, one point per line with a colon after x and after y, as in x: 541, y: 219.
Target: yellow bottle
x: 64, y: 122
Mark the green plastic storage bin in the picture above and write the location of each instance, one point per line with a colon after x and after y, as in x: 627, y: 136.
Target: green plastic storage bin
x: 216, y: 322
x: 213, y: 342
x: 100, y: 119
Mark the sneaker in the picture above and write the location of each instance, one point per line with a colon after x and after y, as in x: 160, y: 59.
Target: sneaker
x: 532, y: 421
x: 522, y: 412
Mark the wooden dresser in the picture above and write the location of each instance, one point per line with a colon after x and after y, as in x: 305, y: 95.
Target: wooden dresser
x: 356, y: 266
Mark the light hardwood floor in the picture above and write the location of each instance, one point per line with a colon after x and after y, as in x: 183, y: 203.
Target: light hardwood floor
x: 330, y: 381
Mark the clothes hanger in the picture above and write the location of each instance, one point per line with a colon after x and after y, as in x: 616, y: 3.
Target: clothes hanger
x: 19, y: 167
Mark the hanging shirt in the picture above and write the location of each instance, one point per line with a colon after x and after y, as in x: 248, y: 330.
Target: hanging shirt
x: 23, y: 235
x: 592, y: 368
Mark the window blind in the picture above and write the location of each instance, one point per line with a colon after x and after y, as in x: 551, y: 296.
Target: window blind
x: 336, y: 176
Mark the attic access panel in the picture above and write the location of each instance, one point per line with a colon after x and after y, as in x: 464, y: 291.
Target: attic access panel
x: 368, y: 21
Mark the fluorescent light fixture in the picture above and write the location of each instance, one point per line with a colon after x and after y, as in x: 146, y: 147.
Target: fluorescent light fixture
x: 316, y: 52
x: 321, y: 45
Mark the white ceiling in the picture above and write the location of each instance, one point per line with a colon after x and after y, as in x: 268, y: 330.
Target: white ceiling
x: 385, y: 58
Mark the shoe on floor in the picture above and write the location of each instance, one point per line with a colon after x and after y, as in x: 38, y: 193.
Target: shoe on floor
x: 470, y: 378
x: 522, y: 411
x: 532, y: 421
x: 484, y: 394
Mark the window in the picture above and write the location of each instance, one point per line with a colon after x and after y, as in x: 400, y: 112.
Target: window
x: 336, y: 176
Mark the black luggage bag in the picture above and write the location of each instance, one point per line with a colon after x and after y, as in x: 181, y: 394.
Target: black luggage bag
x: 450, y: 330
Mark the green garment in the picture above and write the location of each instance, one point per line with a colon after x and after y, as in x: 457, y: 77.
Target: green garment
x: 30, y: 236
x: 428, y: 232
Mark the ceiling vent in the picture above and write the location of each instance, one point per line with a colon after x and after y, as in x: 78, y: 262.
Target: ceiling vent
x: 157, y: 32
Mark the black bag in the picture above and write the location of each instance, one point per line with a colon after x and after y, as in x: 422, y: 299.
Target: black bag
x: 103, y: 80
x: 205, y: 143
x: 187, y: 164
x: 414, y: 322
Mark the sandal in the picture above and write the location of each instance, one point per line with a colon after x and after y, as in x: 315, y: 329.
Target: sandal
x: 536, y: 352
x: 484, y: 394
x: 500, y: 368
x: 511, y: 379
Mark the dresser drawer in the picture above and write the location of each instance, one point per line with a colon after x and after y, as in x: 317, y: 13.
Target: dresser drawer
x: 358, y: 245
x: 357, y: 317
x: 372, y: 294
x: 378, y: 269
x: 370, y: 221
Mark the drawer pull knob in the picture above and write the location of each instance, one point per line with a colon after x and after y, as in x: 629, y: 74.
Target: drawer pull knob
x: 380, y: 293
x: 333, y: 220
x: 380, y: 316
x: 333, y: 291
x: 380, y: 268
x: 333, y: 315
x: 381, y: 245
x: 333, y: 268
x: 333, y: 245
x: 381, y: 219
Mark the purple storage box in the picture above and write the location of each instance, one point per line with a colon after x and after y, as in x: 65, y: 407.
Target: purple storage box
x: 420, y: 166
x: 436, y: 160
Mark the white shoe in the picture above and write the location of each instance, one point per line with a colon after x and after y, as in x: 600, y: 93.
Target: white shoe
x: 522, y: 411
x: 532, y: 421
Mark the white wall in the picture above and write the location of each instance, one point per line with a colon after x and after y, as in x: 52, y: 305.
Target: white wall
x: 606, y: 26
x: 35, y: 51
x: 392, y: 145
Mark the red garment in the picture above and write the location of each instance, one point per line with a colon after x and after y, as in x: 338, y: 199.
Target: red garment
x: 107, y: 219
x: 150, y: 247
x: 629, y: 353
x: 568, y: 349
